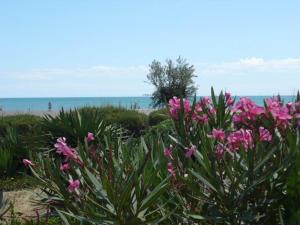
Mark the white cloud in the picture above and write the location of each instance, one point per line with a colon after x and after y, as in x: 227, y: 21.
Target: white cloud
x: 253, y: 65
x: 249, y: 76
x: 91, y: 81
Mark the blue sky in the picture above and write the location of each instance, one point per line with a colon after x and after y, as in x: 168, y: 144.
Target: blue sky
x: 103, y: 48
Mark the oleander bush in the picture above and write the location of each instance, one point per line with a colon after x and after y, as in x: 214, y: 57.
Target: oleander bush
x: 103, y: 181
x: 238, y: 158
x: 214, y: 161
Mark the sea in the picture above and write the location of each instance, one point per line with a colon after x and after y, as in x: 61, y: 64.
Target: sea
x: 42, y: 104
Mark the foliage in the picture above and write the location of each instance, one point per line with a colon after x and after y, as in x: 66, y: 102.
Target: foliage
x: 292, y: 204
x: 23, y: 123
x: 237, y: 160
x: 75, y: 124
x: 172, y: 79
x: 110, y: 182
x: 17, y: 183
x: 17, y: 135
x: 4, y: 206
x: 131, y: 120
x: 213, y: 161
x: 157, y: 116
x: 11, y: 152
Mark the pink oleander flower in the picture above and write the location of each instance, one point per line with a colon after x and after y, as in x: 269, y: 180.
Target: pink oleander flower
x: 73, y: 185
x: 289, y: 105
x: 280, y: 113
x: 246, y: 110
x: 168, y: 152
x: 247, y: 105
x: 65, y: 167
x: 205, y: 101
x: 229, y: 99
x: 220, y: 150
x: 264, y: 134
x: 240, y: 138
x: 297, y: 115
x: 171, y: 170
x: 175, y: 106
x: 199, y: 115
x: 27, y: 162
x: 218, y: 134
x: 213, y: 111
x: 201, y: 118
x: 189, y: 152
x: 90, y: 136
x: 63, y: 149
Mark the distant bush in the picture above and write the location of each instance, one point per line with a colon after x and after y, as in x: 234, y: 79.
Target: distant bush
x: 158, y: 116
x: 131, y: 120
x: 17, y: 135
x: 134, y: 122
x: 75, y: 124
x: 23, y: 123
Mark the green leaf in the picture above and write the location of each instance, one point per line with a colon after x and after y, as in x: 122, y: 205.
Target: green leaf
x: 154, y: 195
x: 203, y: 180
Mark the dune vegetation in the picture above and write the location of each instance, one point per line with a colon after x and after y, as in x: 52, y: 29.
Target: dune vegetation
x: 208, y: 161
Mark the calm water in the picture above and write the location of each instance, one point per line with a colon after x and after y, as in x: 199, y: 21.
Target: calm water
x: 41, y: 104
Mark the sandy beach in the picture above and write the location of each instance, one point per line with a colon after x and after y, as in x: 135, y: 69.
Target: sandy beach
x: 53, y: 113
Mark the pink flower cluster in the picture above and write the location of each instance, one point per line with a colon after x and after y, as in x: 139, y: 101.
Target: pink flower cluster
x: 280, y: 113
x: 203, y: 110
x: 294, y: 109
x: 63, y: 149
x: 240, y: 138
x: 90, y: 136
x: 175, y: 107
x: 264, y: 134
x: 171, y: 170
x: 27, y: 162
x: 246, y: 111
x: 168, y: 154
x: 218, y: 134
x: 199, y: 115
x: 229, y: 99
x: 189, y: 152
x: 69, y: 153
x: 73, y: 185
x: 249, y: 119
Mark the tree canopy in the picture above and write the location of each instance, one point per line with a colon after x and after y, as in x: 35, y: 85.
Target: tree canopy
x: 171, y: 79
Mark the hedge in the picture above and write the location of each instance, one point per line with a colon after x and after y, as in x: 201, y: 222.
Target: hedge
x: 158, y: 116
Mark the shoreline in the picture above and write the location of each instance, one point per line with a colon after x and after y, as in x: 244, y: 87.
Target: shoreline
x: 42, y: 113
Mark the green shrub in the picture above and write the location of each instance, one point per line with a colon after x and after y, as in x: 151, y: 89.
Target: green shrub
x: 237, y: 159
x: 17, y: 136
x: 23, y: 123
x: 75, y: 124
x: 131, y: 120
x: 116, y: 183
x: 158, y: 116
